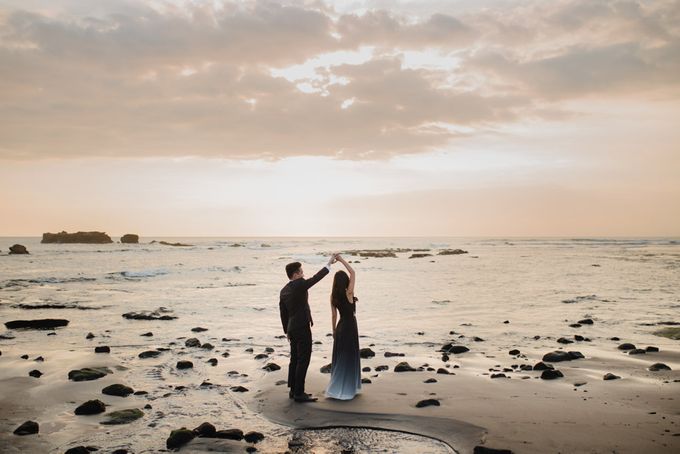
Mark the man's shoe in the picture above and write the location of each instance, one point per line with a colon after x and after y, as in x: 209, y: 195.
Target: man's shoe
x: 305, y: 398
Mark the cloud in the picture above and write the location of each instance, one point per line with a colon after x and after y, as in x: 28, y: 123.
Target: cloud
x: 198, y: 79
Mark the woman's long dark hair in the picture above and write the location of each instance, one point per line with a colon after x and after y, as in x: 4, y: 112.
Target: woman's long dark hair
x: 340, y: 284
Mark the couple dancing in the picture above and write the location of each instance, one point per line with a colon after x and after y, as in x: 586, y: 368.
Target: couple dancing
x: 296, y: 319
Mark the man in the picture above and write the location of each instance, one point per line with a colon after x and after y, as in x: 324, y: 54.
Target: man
x: 296, y: 319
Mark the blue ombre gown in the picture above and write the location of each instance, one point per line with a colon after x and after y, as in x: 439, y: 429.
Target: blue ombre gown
x: 346, y: 366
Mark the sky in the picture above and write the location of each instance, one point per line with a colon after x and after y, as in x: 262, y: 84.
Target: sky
x: 346, y: 118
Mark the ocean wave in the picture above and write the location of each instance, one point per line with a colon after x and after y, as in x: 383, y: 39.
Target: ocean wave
x: 137, y: 275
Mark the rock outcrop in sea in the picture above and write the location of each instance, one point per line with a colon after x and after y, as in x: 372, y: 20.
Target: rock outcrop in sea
x: 78, y: 237
x: 18, y: 249
x: 129, y: 238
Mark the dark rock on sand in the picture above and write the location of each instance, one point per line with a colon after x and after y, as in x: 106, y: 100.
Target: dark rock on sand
x: 117, y: 390
x: 454, y: 349
x: 430, y: 380
x: 230, y: 434
x: 185, y: 365
x: 563, y: 340
x: 89, y: 336
x: 443, y: 371
x: 207, y: 346
x: 158, y: 314
x: 78, y: 450
x: 24, y: 356
x: 129, y: 238
x: 271, y: 367
x: 366, y: 353
x: 212, y: 361
x: 514, y: 352
x: 610, y: 376
x: 551, y: 374
x: 419, y: 256
x: 179, y: 437
x: 239, y: 389
x: 637, y: 351
x: 382, y: 368
x: 391, y: 354
x: 651, y: 349
x: 205, y: 430
x: 626, y: 346
x: 486, y: 450
x: 78, y: 237
x: 35, y: 373
x: 18, y: 249
x: 366, y: 381
x: 27, y: 428
x: 586, y: 321
x: 499, y: 375
x: 149, y: 334
x: 326, y: 369
x: 199, y: 329
x: 366, y: 369
x: 575, y: 325
x: 404, y: 367
x: 559, y: 355
x: 253, y: 437
x: 123, y: 416
x: 88, y: 373
x: 658, y: 366
x: 428, y: 403
x: 149, y: 354
x: 43, y: 323
x: 192, y: 342
x: 91, y: 407
x: 102, y: 349
x: 452, y: 252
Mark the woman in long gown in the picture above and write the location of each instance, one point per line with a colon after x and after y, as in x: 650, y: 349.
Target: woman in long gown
x: 346, y: 367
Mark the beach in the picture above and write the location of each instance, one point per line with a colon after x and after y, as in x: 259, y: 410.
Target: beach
x: 474, y: 326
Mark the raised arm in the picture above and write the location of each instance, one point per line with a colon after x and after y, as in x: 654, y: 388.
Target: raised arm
x: 352, y: 279
x: 308, y: 283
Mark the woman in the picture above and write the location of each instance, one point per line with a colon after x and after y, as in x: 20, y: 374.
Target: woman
x: 346, y: 367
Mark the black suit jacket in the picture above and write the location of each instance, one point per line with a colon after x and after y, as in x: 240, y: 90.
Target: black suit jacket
x: 294, y: 302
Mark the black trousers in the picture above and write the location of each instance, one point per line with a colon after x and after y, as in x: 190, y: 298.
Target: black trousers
x: 300, y: 353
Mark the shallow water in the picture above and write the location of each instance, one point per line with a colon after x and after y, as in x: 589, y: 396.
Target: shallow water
x: 405, y: 305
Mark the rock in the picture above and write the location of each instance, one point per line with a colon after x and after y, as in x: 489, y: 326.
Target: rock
x: 35, y: 373
x: 366, y: 381
x: 117, y: 390
x: 499, y: 375
x: 671, y: 333
x: 18, y: 249
x: 78, y: 237
x: 129, y: 238
x: 390, y: 354
x: 563, y: 340
x: 149, y: 334
x: 454, y: 349
x: 651, y: 349
x: 452, y: 252
x: 419, y: 256
x: 149, y: 315
x: 207, y: 346
x: 165, y: 243
x: 366, y: 369
x: 366, y: 353
x: 78, y: 450
x: 89, y: 336
x: 326, y: 369
x: 149, y: 354
x: 526, y: 367
x: 185, y: 365
x: 428, y: 403
x: 610, y: 376
x: 626, y: 346
x: 230, y: 434
x: 579, y: 338
x: 575, y: 325
x: 212, y: 361
x: 27, y: 428
x: 253, y: 437
x: 102, y: 349
x: 199, y: 329
x: 514, y: 352
x: 443, y: 371
x: 271, y: 367
x: 91, y: 407
x: 239, y: 389
x: 637, y: 351
x: 123, y: 416
x: 382, y: 368
x: 485, y: 450
x: 586, y: 321
x: 24, y: 356
x: 192, y: 342
x: 551, y: 374
x: 205, y: 430
x: 88, y: 373
x: 430, y: 380
x: 559, y: 355
x: 178, y: 438
x: 43, y: 323
x: 658, y: 366
x: 404, y: 367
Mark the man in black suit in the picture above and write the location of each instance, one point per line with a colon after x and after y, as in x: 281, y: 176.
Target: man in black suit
x: 296, y: 319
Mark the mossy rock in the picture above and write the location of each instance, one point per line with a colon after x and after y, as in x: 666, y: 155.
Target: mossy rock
x: 671, y: 333
x: 123, y: 416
